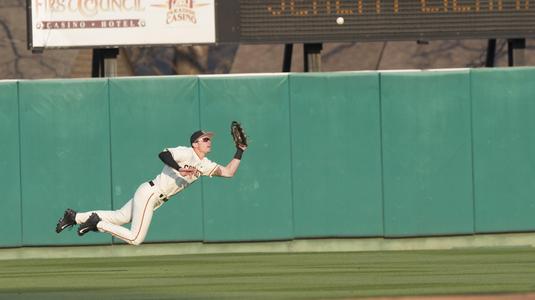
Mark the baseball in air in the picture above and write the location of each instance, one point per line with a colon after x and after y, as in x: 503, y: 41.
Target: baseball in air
x: 339, y: 20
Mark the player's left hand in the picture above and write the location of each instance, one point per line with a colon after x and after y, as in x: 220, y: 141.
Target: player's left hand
x: 187, y: 171
x: 242, y: 147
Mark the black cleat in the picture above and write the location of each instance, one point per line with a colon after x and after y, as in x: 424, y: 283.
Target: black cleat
x: 68, y: 220
x: 89, y: 225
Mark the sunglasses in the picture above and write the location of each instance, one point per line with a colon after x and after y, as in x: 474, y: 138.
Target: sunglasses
x: 206, y: 139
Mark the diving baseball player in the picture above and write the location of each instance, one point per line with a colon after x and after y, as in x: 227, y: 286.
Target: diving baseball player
x: 182, y: 167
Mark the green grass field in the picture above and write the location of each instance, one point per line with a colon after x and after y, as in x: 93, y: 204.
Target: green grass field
x: 273, y: 276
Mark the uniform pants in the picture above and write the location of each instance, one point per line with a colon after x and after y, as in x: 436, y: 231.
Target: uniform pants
x: 138, y: 211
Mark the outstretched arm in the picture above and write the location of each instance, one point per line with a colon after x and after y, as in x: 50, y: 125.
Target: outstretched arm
x: 230, y: 169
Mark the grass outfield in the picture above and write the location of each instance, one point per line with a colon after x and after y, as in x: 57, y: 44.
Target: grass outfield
x: 273, y: 276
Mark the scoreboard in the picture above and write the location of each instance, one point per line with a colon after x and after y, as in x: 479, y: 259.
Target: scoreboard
x: 316, y: 21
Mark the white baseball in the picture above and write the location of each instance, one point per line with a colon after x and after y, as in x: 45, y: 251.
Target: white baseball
x: 339, y: 20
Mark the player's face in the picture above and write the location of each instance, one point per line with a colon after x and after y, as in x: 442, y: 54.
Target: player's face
x: 204, y: 144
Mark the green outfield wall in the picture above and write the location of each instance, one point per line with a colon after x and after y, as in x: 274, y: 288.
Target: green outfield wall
x: 336, y: 155
x: 65, y: 154
x: 10, y: 204
x: 148, y: 115
x: 427, y: 153
x: 348, y: 154
x: 257, y: 203
x: 504, y: 149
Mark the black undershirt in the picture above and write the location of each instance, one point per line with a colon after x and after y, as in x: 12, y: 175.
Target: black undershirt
x: 167, y: 159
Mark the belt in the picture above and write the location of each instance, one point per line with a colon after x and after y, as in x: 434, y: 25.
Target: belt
x: 162, y: 196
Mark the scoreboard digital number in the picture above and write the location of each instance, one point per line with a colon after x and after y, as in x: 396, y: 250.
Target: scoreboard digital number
x: 315, y: 21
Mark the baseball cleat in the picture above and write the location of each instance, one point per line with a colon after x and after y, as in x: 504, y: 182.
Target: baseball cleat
x: 89, y: 225
x: 68, y: 220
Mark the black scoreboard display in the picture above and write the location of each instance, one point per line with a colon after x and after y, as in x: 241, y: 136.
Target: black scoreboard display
x: 315, y: 21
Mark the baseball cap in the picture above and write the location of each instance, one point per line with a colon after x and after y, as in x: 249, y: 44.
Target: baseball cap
x: 200, y: 133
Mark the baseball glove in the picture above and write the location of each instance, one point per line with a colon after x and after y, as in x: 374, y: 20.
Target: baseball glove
x: 238, y: 134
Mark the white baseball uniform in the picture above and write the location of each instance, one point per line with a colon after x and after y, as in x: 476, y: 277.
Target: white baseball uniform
x: 150, y: 196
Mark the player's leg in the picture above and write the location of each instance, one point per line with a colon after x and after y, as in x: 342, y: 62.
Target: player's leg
x: 142, y: 211
x: 118, y: 217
